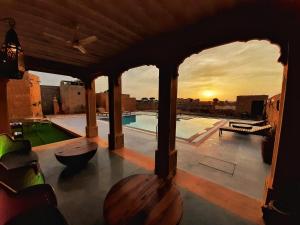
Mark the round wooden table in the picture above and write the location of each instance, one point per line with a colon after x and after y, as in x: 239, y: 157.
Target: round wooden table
x: 143, y: 200
x: 76, y: 155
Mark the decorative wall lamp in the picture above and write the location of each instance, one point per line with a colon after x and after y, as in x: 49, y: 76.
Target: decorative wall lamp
x: 11, y: 54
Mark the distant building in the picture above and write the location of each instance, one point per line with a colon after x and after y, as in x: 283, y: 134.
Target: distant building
x: 72, y: 94
x: 102, y: 101
x: 146, y: 104
x: 188, y: 104
x: 206, y: 106
x: 48, y: 93
x: 24, y: 98
x: 128, y: 103
x: 252, y: 106
x: 225, y: 107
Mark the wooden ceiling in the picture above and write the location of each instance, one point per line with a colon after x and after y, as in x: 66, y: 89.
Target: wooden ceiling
x: 119, y: 25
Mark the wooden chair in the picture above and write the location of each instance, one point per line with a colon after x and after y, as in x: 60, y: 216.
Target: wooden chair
x: 15, y: 153
x: 31, y: 206
x: 21, y: 178
x: 44, y: 214
x: 254, y: 130
x: 14, y: 202
x: 26, y: 199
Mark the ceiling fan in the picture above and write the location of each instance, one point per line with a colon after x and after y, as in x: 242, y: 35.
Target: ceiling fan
x: 75, y: 42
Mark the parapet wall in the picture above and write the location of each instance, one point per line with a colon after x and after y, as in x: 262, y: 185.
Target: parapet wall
x: 128, y: 103
x: 24, y: 98
x: 72, y: 97
x: 272, y: 110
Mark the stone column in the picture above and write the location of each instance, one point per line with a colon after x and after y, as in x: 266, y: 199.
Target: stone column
x: 115, y: 136
x: 90, y: 105
x: 4, y: 118
x: 282, y: 200
x: 166, y: 154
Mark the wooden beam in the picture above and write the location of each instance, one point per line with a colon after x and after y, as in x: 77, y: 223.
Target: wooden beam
x: 187, y: 40
x: 48, y: 66
x: 54, y: 15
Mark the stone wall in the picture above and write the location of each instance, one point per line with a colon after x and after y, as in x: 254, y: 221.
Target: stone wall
x: 48, y: 92
x: 128, y: 103
x: 24, y: 98
x: 72, y: 97
x: 102, y: 100
x: 272, y: 110
x: 244, y: 103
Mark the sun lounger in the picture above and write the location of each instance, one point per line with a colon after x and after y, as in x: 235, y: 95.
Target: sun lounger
x: 253, y: 123
x: 258, y: 130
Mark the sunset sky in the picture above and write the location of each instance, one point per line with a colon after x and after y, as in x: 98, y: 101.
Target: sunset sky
x: 223, y: 72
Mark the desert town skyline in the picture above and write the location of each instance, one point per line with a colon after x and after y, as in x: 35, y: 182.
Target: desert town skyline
x: 213, y: 73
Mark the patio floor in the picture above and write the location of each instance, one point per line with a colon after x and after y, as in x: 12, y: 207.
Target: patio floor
x: 232, y: 160
x: 81, y: 195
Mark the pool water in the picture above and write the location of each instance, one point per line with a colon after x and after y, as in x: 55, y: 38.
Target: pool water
x: 44, y: 133
x: 185, y: 127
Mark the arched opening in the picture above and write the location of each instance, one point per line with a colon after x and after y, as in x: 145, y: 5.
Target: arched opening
x: 138, y: 105
x: 163, y: 34
x: 140, y: 87
x: 101, y: 89
x: 221, y: 85
x: 224, y: 27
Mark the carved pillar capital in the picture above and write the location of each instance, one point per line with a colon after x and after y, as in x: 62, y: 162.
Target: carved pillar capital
x: 169, y: 69
x: 284, y: 53
x: 88, y: 84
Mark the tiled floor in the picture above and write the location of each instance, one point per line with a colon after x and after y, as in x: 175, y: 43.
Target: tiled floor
x: 81, y: 195
x: 232, y: 160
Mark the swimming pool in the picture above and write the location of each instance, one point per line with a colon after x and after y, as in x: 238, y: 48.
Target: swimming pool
x: 44, y: 133
x: 186, y: 127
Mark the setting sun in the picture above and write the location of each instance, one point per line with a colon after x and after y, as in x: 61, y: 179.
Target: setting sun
x: 208, y: 93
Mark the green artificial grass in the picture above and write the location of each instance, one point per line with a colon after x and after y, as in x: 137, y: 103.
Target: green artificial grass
x: 44, y: 133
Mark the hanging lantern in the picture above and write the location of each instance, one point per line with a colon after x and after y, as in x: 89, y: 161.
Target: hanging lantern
x: 11, y: 55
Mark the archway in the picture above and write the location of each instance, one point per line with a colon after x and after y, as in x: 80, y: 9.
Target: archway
x: 239, y: 23
x: 246, y: 69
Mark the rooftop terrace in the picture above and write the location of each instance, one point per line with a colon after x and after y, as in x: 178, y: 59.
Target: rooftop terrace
x: 81, y: 194
x: 132, y: 33
x: 232, y: 160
